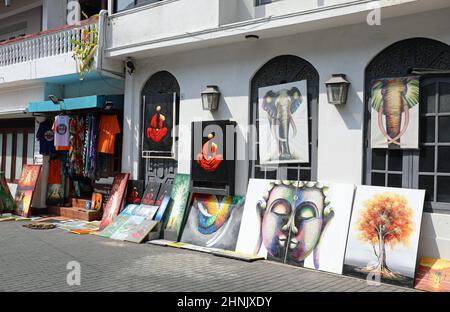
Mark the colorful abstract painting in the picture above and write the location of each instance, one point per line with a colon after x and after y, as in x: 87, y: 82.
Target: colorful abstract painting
x: 395, y: 113
x: 131, y: 224
x: 213, y: 151
x: 177, y: 207
x: 140, y: 231
x: 165, y: 190
x: 6, y: 199
x: 384, y: 235
x: 158, y: 125
x: 163, y: 208
x: 214, y: 221
x: 283, y: 123
x: 151, y: 194
x: 25, y: 190
x: 116, y: 199
x: 135, y: 192
x: 433, y: 275
x: 299, y: 223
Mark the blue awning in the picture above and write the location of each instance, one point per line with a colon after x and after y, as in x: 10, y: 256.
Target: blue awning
x: 85, y: 102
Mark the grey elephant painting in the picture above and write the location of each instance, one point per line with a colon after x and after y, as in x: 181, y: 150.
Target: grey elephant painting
x: 283, y: 124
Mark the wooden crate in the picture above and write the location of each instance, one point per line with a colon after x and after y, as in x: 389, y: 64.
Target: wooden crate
x: 79, y: 203
x: 54, y: 210
x: 81, y: 214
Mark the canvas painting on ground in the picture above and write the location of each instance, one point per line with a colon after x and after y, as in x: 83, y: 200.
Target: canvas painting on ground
x: 116, y: 199
x: 384, y: 234
x: 158, y: 124
x: 55, y: 195
x: 165, y: 190
x: 140, y: 232
x: 25, y: 190
x: 7, y: 201
x: 97, y: 201
x: 131, y: 210
x: 214, y: 221
x: 135, y: 192
x: 322, y: 218
x: 299, y: 223
x: 213, y: 151
x: 151, y: 194
x: 433, y: 275
x: 163, y: 208
x: 131, y: 223
x: 249, y: 239
x: 283, y: 123
x: 395, y: 113
x: 177, y: 207
x: 118, y: 221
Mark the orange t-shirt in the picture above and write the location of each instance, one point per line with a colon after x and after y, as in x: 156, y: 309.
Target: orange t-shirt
x: 108, y: 129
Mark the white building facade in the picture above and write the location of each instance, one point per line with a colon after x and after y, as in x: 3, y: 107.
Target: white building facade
x: 184, y: 45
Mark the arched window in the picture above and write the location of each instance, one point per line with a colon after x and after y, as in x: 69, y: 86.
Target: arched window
x: 160, y: 170
x: 429, y: 167
x: 281, y: 70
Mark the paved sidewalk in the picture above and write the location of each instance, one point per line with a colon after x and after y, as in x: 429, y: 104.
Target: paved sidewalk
x: 33, y: 260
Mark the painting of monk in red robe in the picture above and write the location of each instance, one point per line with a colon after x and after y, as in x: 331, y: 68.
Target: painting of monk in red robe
x: 158, y: 126
x: 156, y: 132
x: 213, y: 151
x: 209, y: 159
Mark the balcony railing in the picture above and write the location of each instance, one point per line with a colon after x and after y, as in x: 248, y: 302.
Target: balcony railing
x: 44, y: 44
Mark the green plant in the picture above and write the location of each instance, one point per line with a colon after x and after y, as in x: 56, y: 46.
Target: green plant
x: 85, y: 48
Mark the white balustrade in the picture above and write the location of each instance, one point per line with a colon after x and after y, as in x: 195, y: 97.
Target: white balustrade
x: 46, y: 45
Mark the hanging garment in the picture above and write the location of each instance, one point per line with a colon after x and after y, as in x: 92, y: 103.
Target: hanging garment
x: 93, y: 149
x: 108, y: 129
x: 46, y: 137
x: 62, y: 134
x: 76, y: 146
x: 86, y: 149
x: 54, y: 171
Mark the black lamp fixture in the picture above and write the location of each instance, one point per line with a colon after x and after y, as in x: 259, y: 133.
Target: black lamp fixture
x: 108, y: 105
x: 211, y: 98
x: 55, y: 99
x: 252, y: 37
x: 337, y: 89
x: 130, y: 66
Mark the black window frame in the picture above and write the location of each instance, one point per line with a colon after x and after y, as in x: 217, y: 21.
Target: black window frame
x: 416, y: 54
x: 135, y: 5
x: 279, y: 70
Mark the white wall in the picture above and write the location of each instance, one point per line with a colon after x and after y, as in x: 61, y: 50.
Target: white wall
x: 14, y: 100
x: 162, y: 20
x: 54, y: 13
x: 23, y: 23
x: 341, y: 50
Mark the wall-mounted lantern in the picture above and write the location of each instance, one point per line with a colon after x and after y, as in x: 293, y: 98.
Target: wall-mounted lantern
x: 211, y: 98
x: 337, y: 89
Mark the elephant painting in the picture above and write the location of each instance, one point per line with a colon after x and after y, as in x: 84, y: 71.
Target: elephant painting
x: 395, y: 116
x: 283, y: 124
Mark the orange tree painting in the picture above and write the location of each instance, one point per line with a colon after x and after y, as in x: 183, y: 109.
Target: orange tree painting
x: 385, y: 221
